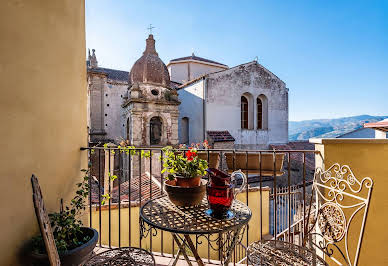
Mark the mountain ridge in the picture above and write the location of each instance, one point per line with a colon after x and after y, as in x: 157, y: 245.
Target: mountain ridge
x: 328, y: 128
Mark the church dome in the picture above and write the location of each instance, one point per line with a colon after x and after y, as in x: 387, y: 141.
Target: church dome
x: 150, y: 68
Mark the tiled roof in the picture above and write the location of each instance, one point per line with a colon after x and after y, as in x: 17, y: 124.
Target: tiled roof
x: 144, y: 189
x: 381, y: 125
x: 220, y: 136
x: 112, y: 73
x: 147, y: 186
x: 94, y: 191
x: 174, y: 84
x: 197, y: 58
x: 298, y: 156
x: 296, y: 166
x: 122, y: 76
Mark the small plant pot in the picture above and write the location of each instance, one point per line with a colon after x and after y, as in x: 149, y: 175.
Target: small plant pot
x: 188, y: 182
x: 185, y: 196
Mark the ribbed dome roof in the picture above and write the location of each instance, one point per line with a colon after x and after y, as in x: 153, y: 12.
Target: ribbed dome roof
x: 150, y: 68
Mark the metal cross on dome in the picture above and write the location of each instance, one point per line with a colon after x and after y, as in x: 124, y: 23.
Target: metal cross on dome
x: 150, y: 28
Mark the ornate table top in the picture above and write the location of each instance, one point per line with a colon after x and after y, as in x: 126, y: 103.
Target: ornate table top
x: 162, y: 214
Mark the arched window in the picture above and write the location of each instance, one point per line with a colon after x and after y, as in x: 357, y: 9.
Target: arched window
x: 259, y: 114
x: 185, y: 130
x: 244, y: 112
x: 155, y: 130
x: 262, y: 112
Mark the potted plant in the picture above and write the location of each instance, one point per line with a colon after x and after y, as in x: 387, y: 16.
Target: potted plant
x: 74, y: 242
x: 185, y: 170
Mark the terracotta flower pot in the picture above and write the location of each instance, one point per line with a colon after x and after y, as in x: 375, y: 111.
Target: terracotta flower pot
x: 185, y: 196
x: 188, y: 182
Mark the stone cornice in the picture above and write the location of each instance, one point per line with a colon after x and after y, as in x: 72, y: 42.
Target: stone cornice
x: 126, y: 103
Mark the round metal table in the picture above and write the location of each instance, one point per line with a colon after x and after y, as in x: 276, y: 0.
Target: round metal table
x: 181, y: 222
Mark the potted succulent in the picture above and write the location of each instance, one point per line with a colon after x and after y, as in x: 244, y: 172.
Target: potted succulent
x: 74, y: 242
x: 185, y: 169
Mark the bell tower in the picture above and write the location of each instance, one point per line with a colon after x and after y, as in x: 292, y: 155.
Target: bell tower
x: 152, y: 105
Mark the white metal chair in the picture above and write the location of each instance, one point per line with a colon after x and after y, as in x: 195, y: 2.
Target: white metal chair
x: 340, y: 199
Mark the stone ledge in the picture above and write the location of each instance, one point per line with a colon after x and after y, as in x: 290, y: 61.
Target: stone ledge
x: 348, y: 141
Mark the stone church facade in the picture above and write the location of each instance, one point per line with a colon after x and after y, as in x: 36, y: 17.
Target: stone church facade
x: 247, y: 101
x: 149, y: 106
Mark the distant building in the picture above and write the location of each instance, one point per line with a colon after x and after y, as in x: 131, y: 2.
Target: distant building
x: 187, y: 68
x: 106, y: 91
x: 376, y: 130
x: 359, y: 133
x: 380, y: 128
x: 248, y: 101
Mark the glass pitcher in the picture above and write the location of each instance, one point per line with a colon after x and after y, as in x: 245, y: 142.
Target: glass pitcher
x: 221, y: 191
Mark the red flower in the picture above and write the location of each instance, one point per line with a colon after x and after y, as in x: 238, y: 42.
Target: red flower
x: 190, y: 155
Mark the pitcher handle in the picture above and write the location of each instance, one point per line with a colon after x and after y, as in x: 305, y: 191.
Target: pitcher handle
x: 244, y: 182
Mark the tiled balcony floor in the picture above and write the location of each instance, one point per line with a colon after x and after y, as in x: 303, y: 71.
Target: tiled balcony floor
x: 164, y: 261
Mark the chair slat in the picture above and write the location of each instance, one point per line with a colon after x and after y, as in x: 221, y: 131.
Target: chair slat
x: 44, y: 223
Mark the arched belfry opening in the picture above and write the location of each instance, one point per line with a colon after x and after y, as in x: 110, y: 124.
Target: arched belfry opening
x: 156, y: 130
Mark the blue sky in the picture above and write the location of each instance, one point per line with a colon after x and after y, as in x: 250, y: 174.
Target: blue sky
x: 333, y: 55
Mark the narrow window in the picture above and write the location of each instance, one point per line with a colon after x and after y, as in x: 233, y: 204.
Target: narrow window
x: 185, y: 130
x: 244, y: 112
x: 127, y: 128
x: 259, y: 114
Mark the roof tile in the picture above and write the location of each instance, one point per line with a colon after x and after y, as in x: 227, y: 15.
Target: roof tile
x: 220, y: 136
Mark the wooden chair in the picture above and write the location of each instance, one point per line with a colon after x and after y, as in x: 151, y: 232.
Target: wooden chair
x: 340, y: 199
x: 118, y: 256
x: 44, y: 223
x: 238, y: 160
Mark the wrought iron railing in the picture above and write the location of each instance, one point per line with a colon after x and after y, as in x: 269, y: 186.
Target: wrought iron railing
x: 289, y: 191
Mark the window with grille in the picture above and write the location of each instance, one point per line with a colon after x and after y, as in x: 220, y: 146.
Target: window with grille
x: 244, y: 112
x: 259, y: 114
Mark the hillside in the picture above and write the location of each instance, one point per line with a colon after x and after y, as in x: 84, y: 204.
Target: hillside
x: 328, y: 128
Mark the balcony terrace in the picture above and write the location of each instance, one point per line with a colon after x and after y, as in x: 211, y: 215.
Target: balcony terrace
x: 278, y: 201
x: 44, y: 124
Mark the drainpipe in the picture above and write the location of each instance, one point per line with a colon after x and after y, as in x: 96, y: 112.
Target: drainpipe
x: 204, y: 107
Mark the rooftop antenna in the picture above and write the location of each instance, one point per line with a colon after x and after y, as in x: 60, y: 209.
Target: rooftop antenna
x: 150, y: 28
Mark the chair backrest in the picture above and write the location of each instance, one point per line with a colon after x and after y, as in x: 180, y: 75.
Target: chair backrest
x: 341, y: 199
x: 267, y: 163
x: 44, y: 223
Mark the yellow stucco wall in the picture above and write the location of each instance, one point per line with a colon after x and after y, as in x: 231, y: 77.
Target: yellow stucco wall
x: 42, y: 111
x: 254, y: 226
x: 366, y: 157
